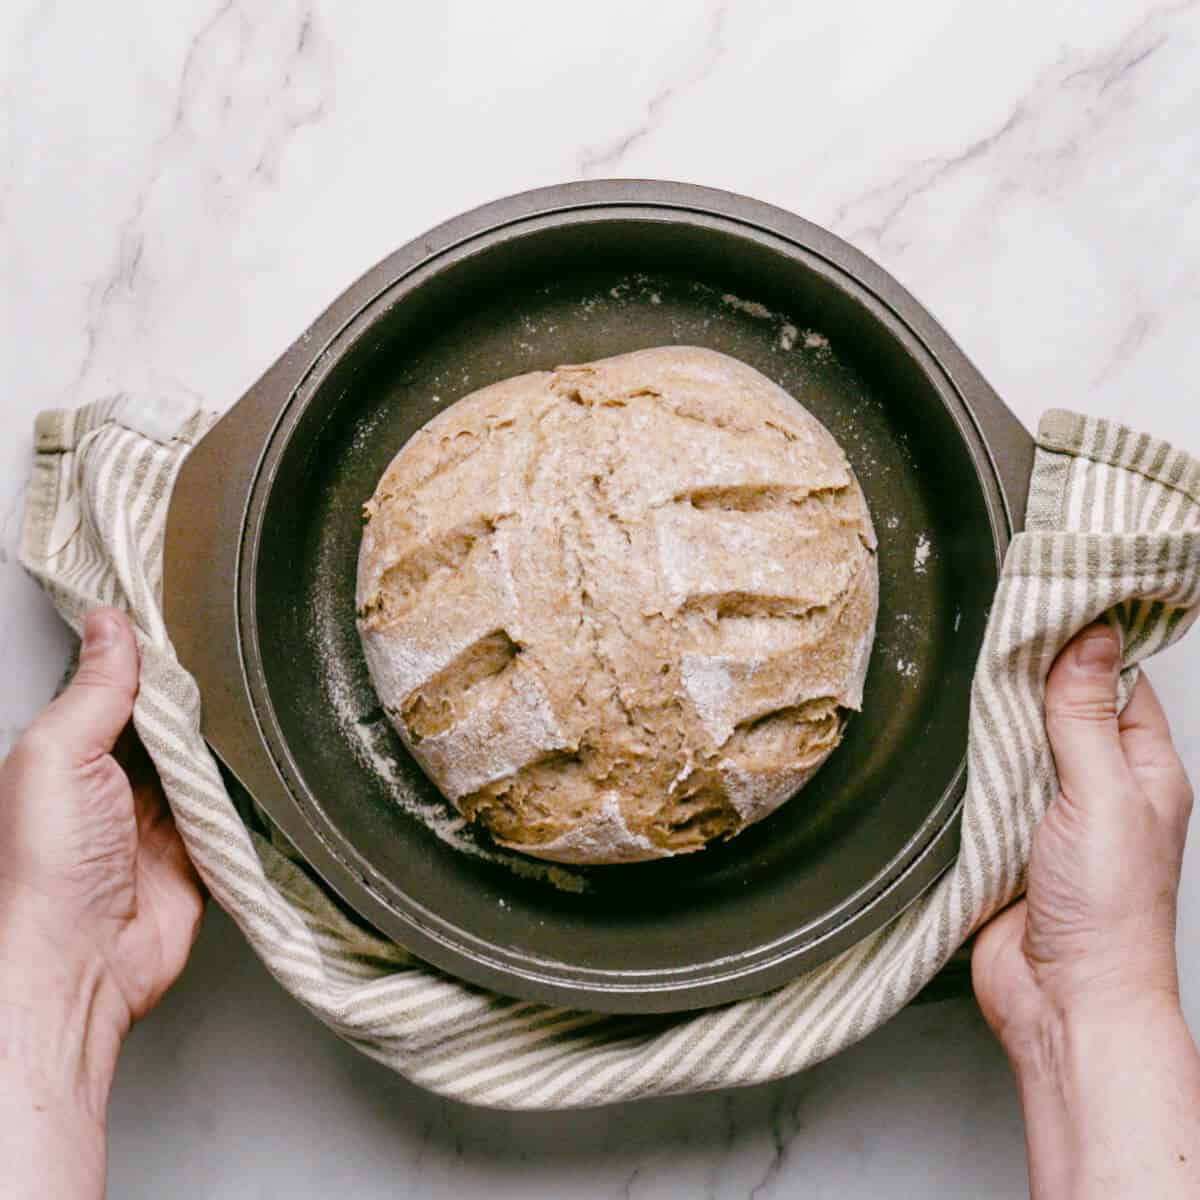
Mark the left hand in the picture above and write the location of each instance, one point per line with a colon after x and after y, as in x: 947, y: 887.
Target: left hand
x: 97, y: 894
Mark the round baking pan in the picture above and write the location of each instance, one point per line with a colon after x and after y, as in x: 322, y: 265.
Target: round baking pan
x: 263, y: 537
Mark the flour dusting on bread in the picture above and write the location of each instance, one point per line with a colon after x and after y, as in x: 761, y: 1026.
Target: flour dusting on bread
x: 619, y: 609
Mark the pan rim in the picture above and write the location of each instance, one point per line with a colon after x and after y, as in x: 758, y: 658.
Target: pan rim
x: 907, y: 875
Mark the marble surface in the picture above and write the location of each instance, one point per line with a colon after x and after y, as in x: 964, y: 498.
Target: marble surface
x: 185, y: 184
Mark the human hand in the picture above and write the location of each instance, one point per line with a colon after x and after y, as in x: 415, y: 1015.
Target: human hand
x: 97, y: 896
x: 1095, y: 934
x: 99, y: 907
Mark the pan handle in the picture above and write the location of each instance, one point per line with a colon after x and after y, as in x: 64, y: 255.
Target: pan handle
x: 200, y: 565
x: 1010, y: 444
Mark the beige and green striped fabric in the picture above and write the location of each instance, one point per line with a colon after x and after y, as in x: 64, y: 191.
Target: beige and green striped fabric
x: 1113, y: 528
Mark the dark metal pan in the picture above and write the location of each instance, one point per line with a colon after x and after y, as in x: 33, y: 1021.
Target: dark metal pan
x: 263, y: 535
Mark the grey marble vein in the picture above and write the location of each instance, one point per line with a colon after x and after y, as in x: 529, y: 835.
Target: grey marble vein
x: 693, y: 71
x: 784, y: 1127
x: 130, y: 237
x: 872, y: 217
x: 209, y: 77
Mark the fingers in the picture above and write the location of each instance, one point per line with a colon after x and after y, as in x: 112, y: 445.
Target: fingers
x: 1145, y: 734
x: 86, y: 720
x: 1081, y: 715
x: 1151, y: 754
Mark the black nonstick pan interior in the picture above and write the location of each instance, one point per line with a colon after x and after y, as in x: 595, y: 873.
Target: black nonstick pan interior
x: 739, y: 916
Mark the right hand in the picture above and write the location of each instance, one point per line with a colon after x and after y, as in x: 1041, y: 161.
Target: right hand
x: 1096, y: 930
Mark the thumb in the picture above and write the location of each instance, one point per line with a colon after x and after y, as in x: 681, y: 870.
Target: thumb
x: 1081, y: 715
x: 88, y: 717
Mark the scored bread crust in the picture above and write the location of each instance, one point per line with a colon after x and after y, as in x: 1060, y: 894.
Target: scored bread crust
x: 620, y: 609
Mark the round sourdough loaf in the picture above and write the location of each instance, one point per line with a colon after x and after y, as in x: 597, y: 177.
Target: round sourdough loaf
x: 620, y: 609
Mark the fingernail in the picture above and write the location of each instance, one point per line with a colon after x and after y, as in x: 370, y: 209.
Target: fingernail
x: 99, y: 632
x: 1096, y: 649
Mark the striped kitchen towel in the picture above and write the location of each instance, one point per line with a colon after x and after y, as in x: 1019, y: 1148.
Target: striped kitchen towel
x: 1113, y: 528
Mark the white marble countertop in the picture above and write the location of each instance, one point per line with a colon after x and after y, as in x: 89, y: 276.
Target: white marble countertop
x: 186, y: 184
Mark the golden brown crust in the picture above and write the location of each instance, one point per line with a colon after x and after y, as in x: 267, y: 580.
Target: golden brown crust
x: 619, y: 609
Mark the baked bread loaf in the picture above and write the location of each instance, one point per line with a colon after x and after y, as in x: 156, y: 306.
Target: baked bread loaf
x: 620, y: 609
